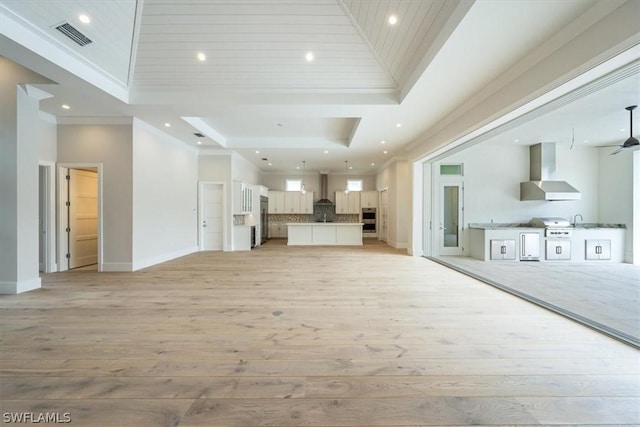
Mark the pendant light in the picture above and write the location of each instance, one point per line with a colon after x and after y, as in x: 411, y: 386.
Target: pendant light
x: 346, y: 181
x: 302, y: 189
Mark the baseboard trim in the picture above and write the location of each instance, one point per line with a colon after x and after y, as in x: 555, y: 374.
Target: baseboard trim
x: 398, y: 245
x: 163, y: 258
x: 13, y: 288
x: 116, y: 267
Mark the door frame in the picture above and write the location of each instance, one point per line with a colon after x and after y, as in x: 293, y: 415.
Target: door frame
x: 49, y: 202
x: 201, y: 184
x: 63, y: 244
x: 384, y: 237
x: 459, y: 249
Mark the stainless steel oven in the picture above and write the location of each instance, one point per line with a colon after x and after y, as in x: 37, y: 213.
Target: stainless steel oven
x: 368, y: 220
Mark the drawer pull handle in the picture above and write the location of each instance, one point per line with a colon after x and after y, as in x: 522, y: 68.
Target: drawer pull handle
x: 598, y: 250
x: 558, y: 250
x: 503, y: 250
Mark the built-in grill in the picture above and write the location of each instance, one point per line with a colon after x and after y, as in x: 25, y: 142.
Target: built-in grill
x: 557, y: 233
x: 556, y: 227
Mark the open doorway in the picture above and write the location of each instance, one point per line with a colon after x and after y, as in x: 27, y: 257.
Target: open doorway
x: 79, y: 217
x: 46, y: 217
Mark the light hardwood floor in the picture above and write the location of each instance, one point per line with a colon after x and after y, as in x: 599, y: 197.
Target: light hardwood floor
x: 292, y: 336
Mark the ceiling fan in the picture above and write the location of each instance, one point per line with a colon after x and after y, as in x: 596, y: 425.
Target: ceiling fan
x: 631, y: 142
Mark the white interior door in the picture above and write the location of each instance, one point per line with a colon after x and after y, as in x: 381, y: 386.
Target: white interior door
x: 212, y: 217
x: 450, y: 229
x: 83, y: 217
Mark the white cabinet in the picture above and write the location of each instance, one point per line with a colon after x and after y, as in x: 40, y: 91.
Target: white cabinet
x: 368, y: 199
x: 291, y: 202
x: 558, y: 249
x: 503, y: 249
x: 242, y: 198
x: 306, y: 203
x: 597, y: 249
x: 348, y: 203
x: 276, y: 202
x: 277, y: 230
x: 241, y: 238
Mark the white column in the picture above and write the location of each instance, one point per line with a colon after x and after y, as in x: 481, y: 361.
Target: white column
x: 19, y: 120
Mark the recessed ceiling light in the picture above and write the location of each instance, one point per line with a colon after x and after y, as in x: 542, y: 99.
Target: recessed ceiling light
x: 297, y: 167
x: 270, y: 164
x: 383, y: 142
x: 309, y: 56
x: 516, y: 140
x: 326, y: 151
x: 586, y: 140
x: 199, y: 142
x: 167, y: 125
x: 385, y: 151
x: 350, y: 167
x: 622, y: 129
x: 373, y: 164
x: 257, y: 151
x: 393, y: 20
x: 398, y: 125
x: 65, y: 106
x: 84, y: 18
x: 201, y: 56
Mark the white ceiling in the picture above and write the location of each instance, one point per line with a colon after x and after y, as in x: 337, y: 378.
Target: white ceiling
x: 257, y: 92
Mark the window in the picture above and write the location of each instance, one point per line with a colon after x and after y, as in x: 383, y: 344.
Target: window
x: 354, y: 184
x: 292, y: 185
x: 455, y: 169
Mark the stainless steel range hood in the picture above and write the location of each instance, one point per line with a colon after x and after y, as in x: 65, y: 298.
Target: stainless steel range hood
x: 542, y: 174
x: 324, y: 188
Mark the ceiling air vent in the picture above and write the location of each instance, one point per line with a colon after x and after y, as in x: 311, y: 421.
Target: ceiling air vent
x: 198, y: 134
x: 73, y: 34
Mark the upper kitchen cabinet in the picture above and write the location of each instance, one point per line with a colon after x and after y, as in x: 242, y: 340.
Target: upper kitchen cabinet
x: 348, y: 203
x: 242, y: 198
x: 290, y: 202
x: 369, y: 199
x: 306, y: 203
x: 276, y: 202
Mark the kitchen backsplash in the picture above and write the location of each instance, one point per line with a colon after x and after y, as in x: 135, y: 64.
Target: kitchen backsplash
x: 285, y: 218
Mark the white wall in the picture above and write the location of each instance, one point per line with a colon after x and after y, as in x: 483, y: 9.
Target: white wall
x: 615, y: 193
x: 242, y: 170
x: 165, y: 175
x: 110, y: 145
x: 396, y: 178
x: 48, y: 138
x: 492, y: 177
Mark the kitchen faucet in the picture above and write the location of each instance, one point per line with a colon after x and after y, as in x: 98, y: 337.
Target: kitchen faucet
x: 324, y: 217
x: 575, y: 218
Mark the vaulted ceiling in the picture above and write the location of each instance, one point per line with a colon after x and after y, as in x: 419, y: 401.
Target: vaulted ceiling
x: 369, y: 90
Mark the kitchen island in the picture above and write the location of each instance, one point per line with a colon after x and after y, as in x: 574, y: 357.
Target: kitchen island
x: 324, y: 233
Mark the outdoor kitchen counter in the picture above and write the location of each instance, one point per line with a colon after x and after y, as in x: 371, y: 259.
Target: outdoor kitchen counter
x: 324, y: 233
x: 583, y: 237
x: 520, y: 226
